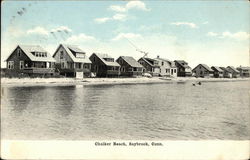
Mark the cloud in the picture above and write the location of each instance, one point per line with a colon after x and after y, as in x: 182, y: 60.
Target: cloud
x: 116, y: 17
x: 76, y: 39
x: 236, y: 35
x: 102, y: 20
x: 43, y: 31
x: 136, y: 5
x: 119, y: 17
x: 189, y: 24
x: 205, y: 22
x: 126, y: 35
x: 117, y: 8
x: 139, y: 5
x: 212, y: 34
x: 38, y: 30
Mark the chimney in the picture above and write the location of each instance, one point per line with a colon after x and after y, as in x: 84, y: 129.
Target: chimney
x: 158, y: 56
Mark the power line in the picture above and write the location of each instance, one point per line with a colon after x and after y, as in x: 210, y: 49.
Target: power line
x: 137, y: 49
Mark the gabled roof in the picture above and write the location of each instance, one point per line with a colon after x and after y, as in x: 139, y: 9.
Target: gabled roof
x: 74, y: 48
x: 243, y: 68
x: 149, y: 61
x: 217, y: 68
x: 234, y: 69
x: 28, y: 49
x: 224, y: 69
x: 207, y: 68
x: 182, y: 63
x: 102, y: 56
x: 204, y: 66
x: 131, y: 61
x: 172, y: 64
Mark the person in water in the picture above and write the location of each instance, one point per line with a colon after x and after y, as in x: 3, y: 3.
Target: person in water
x: 199, y: 83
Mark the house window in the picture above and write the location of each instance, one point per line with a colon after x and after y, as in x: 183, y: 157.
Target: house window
x: 61, y: 55
x: 94, y: 59
x: 162, y: 63
x: 19, y: 52
x: 21, y: 64
x: 123, y: 69
x: 86, y: 66
x: 174, y: 70
x: 120, y: 61
x: 10, y: 64
x: 62, y: 65
x: 80, y: 55
x: 79, y: 65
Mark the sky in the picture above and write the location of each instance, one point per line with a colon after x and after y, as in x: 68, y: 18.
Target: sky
x: 215, y: 33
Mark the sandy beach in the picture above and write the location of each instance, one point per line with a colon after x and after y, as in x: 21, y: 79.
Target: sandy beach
x: 95, y: 81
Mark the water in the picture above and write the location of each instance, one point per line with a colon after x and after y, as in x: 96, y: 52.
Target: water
x: 171, y: 111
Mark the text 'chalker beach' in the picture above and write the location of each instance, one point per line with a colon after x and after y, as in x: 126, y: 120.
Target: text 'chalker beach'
x: 135, y: 144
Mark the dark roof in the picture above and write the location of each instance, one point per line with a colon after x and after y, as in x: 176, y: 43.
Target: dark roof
x: 150, y: 61
x: 204, y: 66
x: 131, y: 61
x: 217, y: 68
x: 103, y: 56
x: 75, y: 49
x: 182, y: 63
x: 207, y: 68
x: 234, y: 69
x: 224, y: 69
x: 243, y: 68
x: 28, y: 49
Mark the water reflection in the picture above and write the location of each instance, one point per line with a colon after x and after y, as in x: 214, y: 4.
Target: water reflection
x: 143, y: 111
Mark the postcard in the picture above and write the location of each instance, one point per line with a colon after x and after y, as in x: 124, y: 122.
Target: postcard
x: 125, y: 79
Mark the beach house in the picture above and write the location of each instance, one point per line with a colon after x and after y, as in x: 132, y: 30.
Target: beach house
x: 234, y: 71
x: 167, y: 67
x: 202, y: 70
x: 218, y: 72
x: 150, y: 65
x: 129, y: 66
x: 30, y: 60
x: 71, y: 61
x: 244, y: 71
x: 226, y: 72
x: 183, y: 69
x: 104, y: 65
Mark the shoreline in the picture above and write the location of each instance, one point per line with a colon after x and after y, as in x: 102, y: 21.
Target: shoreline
x: 98, y: 81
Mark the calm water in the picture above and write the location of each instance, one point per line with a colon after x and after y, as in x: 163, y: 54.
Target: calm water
x: 214, y: 110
